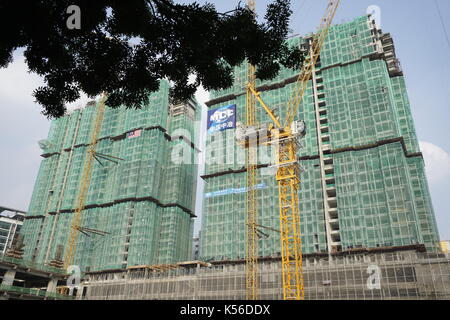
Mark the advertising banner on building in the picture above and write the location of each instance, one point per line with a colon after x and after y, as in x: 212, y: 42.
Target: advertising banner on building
x: 222, y: 118
x: 233, y: 190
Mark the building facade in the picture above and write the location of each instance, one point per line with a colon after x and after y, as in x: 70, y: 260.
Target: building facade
x: 403, y: 273
x: 139, y: 197
x: 11, y: 221
x: 196, y: 247
x: 363, y: 182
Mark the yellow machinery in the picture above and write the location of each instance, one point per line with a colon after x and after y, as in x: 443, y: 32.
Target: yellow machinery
x: 252, y: 284
x: 284, y: 137
x: 84, y: 187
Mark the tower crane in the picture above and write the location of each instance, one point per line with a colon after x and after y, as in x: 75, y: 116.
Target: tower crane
x: 92, y: 155
x: 251, y: 257
x: 284, y: 137
x: 76, y: 228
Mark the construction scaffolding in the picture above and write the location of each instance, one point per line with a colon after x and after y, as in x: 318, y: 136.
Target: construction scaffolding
x: 363, y: 178
x: 140, y: 201
x: 385, y: 273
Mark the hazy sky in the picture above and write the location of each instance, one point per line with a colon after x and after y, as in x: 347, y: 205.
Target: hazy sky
x: 421, y: 45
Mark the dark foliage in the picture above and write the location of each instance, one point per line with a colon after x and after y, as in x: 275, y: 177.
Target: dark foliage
x: 124, y: 47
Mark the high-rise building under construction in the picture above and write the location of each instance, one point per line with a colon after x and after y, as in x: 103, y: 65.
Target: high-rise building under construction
x: 140, y: 204
x: 363, y: 183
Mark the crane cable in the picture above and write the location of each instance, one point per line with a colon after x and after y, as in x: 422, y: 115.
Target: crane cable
x: 442, y: 22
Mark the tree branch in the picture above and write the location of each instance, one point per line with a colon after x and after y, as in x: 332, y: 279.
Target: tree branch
x: 151, y: 7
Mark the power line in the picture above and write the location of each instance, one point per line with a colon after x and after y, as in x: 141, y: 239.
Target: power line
x: 443, y: 27
x: 442, y: 22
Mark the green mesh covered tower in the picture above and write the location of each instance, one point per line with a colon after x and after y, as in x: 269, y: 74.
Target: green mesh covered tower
x: 142, y: 199
x: 363, y: 183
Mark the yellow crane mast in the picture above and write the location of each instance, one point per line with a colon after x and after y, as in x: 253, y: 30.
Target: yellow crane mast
x: 251, y: 257
x: 84, y: 187
x: 285, y: 140
x: 310, y: 62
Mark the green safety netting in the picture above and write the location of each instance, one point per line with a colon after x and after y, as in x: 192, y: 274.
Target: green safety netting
x: 141, y: 196
x: 381, y: 190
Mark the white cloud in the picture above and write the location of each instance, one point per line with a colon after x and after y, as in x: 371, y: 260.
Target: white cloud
x: 16, y: 83
x: 202, y: 95
x: 79, y: 103
x: 437, y: 162
x: 21, y: 126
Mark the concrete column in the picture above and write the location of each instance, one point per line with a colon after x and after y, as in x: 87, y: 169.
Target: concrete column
x: 8, y: 278
x: 51, y: 287
x: 321, y: 157
x: 80, y: 291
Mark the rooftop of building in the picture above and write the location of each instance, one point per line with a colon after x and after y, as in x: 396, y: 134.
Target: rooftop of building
x: 13, y: 214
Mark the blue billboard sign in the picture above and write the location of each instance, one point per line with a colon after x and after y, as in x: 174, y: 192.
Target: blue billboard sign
x: 233, y: 190
x: 222, y: 118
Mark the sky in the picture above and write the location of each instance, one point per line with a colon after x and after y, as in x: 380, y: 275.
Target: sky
x: 422, y: 45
